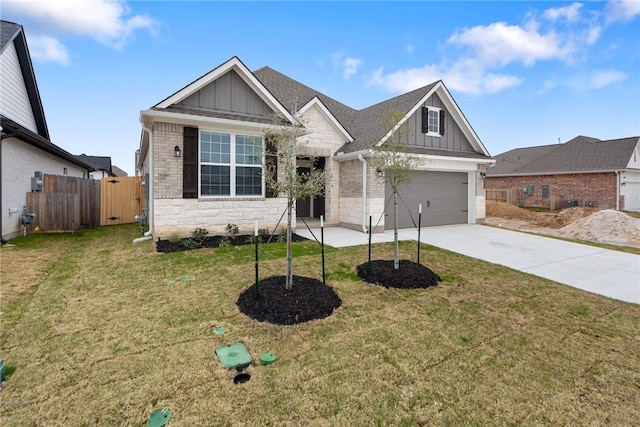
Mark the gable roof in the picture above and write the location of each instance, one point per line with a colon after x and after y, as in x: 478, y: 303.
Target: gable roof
x: 232, y: 64
x: 11, y: 32
x: 579, y: 155
x: 366, y: 126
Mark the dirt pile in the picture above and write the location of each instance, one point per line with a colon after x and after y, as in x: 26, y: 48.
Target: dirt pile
x: 564, y: 217
x: 606, y: 226
x: 507, y: 210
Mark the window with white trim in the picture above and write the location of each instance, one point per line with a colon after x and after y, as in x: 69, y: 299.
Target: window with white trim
x: 434, y: 121
x: 230, y: 164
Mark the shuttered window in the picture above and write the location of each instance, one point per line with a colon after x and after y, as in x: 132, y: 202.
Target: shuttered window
x: 433, y: 121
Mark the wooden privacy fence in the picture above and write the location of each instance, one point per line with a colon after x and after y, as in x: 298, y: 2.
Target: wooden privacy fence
x: 121, y: 199
x: 507, y: 196
x: 71, y: 203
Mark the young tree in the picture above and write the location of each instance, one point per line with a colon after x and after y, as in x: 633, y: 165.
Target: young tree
x: 283, y: 147
x: 397, y: 164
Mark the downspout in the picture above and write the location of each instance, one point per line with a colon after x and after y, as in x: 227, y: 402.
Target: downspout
x: 148, y: 234
x: 617, y: 190
x: 364, y: 193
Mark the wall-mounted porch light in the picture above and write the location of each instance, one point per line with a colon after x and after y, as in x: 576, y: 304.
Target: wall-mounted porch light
x: 177, y: 152
x: 380, y: 172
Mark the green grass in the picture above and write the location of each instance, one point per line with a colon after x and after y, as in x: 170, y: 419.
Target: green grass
x: 96, y: 335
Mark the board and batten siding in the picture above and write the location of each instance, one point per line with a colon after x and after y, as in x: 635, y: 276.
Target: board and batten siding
x: 14, y: 102
x: 453, y: 138
x: 228, y: 93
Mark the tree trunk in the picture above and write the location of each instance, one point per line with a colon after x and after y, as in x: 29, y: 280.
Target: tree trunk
x: 289, y: 272
x: 396, y: 261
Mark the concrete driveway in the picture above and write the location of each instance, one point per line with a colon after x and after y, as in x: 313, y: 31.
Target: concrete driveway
x: 601, y: 271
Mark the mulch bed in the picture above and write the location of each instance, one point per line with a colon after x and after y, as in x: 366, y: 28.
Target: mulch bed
x: 187, y: 244
x: 410, y: 275
x: 309, y: 299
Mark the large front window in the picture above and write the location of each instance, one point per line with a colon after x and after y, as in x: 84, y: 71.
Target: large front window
x: 230, y: 164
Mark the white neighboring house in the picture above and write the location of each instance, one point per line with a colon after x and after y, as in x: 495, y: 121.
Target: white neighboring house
x: 25, y: 150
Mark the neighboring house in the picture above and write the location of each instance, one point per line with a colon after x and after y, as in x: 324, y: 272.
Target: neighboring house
x: 194, y: 146
x: 117, y: 171
x: 582, y: 172
x: 101, y: 165
x: 25, y: 150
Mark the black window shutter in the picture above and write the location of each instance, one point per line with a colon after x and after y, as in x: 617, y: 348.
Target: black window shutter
x: 190, y: 163
x: 441, y: 122
x: 271, y: 165
x: 425, y: 120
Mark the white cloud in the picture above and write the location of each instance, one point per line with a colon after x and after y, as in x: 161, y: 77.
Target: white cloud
x: 601, y: 79
x: 106, y: 21
x: 499, y: 44
x: 348, y: 66
x: 464, y: 76
x: 622, y: 10
x: 47, y: 49
x: 476, y: 57
x: 569, y: 13
x: 351, y: 66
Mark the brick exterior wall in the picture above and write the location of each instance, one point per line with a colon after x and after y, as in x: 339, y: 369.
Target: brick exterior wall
x: 167, y: 178
x: 599, y: 188
x: 324, y: 142
x: 19, y: 162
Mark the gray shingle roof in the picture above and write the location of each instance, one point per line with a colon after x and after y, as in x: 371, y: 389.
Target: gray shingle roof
x: 365, y: 126
x: 8, y: 31
x: 581, y: 154
x: 98, y: 162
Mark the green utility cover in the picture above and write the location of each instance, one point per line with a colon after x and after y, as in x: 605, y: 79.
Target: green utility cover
x: 267, y: 358
x: 159, y: 418
x: 234, y: 355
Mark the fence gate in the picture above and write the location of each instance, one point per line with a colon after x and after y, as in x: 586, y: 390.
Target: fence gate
x: 121, y: 199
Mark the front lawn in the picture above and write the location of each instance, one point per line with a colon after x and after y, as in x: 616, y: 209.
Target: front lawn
x: 99, y: 331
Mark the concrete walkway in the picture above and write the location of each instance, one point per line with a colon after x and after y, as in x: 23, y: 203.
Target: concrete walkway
x: 601, y: 271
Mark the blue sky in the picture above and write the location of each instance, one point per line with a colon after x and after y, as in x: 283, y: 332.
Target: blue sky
x: 523, y: 73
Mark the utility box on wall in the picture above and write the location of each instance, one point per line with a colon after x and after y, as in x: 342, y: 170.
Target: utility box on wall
x: 36, y: 182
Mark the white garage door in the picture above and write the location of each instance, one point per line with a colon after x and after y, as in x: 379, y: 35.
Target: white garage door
x: 443, y: 195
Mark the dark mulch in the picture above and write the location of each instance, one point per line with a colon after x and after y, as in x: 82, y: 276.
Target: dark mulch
x: 187, y: 243
x: 410, y: 275
x: 309, y: 299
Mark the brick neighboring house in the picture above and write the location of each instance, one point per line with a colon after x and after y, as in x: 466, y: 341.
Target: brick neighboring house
x: 582, y: 172
x: 26, y: 151
x: 201, y: 153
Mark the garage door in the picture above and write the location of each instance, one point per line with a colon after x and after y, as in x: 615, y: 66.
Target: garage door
x: 443, y: 196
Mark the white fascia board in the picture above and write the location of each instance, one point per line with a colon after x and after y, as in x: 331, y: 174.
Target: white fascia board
x: 246, y: 75
x: 332, y: 119
x: 147, y: 117
x: 444, y: 163
x: 452, y: 108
